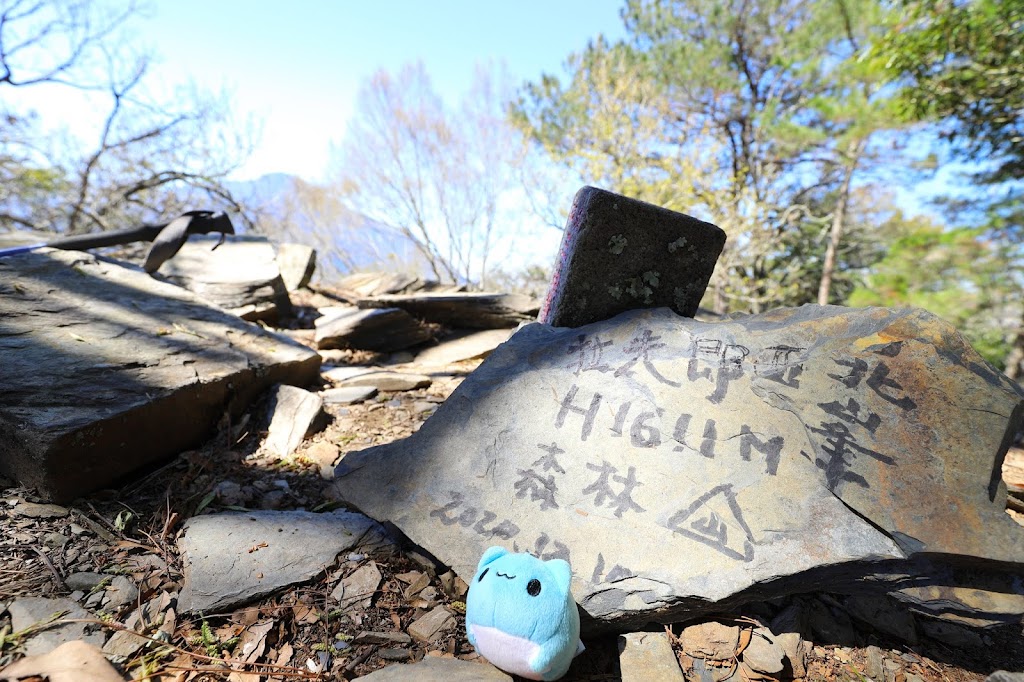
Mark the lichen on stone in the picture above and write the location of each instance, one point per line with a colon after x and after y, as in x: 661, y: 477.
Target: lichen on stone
x: 636, y: 288
x: 677, y: 244
x: 651, y: 277
x: 615, y: 292
x: 616, y: 244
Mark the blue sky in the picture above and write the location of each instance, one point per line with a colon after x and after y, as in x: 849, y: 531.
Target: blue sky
x: 297, y: 66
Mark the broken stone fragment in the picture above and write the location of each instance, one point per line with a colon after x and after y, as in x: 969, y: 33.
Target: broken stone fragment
x: 74, y: 661
x: 295, y: 413
x: 380, y: 379
x: 297, y: 263
x: 240, y: 275
x: 465, y: 346
x: 32, y: 510
x: 29, y: 611
x: 763, y: 654
x: 429, y: 627
x: 648, y: 657
x: 711, y: 640
x: 462, y: 310
x: 358, y: 589
x: 384, y: 330
x: 347, y: 395
x: 230, y: 559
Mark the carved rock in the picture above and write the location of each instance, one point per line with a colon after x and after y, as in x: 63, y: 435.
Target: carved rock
x: 796, y: 450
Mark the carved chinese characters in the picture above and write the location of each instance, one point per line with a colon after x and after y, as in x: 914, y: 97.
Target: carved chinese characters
x: 675, y: 462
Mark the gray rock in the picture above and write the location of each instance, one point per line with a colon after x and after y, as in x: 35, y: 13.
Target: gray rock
x: 796, y: 649
x: 381, y: 379
x: 961, y: 596
x: 297, y: 262
x: 358, y: 589
x: 75, y: 661
x: 368, y: 284
x: 750, y: 458
x: 883, y: 615
x: 240, y: 275
x: 229, y: 492
x: 28, y: 611
x: 712, y: 640
x: 764, y: 654
x: 32, y: 510
x: 437, y: 669
x: 466, y: 346
x: 429, y: 627
x: 462, y: 310
x: 890, y: 669
x: 951, y: 634
x: 389, y: 654
x: 122, y: 645
x: 107, y: 370
x: 347, y: 395
x: 230, y: 559
x: 702, y: 672
x: 830, y: 624
x: 121, y: 592
x: 294, y: 414
x: 790, y: 619
x: 873, y: 667
x: 648, y: 657
x: 384, y: 329
x: 1005, y: 676
x: 619, y: 254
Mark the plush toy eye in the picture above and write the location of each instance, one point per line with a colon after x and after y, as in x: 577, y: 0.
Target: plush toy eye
x: 480, y: 579
x: 533, y: 587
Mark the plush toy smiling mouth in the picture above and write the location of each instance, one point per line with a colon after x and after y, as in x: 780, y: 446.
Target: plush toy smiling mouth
x: 506, y: 576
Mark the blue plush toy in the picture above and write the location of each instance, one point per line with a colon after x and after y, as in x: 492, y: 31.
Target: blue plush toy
x: 521, y: 616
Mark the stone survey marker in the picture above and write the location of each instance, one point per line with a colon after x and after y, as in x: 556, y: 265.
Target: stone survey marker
x: 677, y: 463
x: 620, y: 254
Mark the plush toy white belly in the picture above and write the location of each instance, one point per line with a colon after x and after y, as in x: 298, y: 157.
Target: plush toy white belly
x: 508, y: 652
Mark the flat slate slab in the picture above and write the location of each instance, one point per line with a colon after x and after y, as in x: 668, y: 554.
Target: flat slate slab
x: 241, y: 275
x: 790, y: 451
x: 231, y: 559
x: 467, y: 346
x: 28, y: 611
x: 463, y: 310
x: 378, y: 329
x: 106, y: 370
x: 375, y: 377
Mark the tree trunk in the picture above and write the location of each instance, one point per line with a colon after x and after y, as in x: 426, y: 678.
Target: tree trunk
x: 838, y: 223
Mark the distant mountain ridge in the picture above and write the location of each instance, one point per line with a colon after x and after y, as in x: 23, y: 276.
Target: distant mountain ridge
x: 347, y: 241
